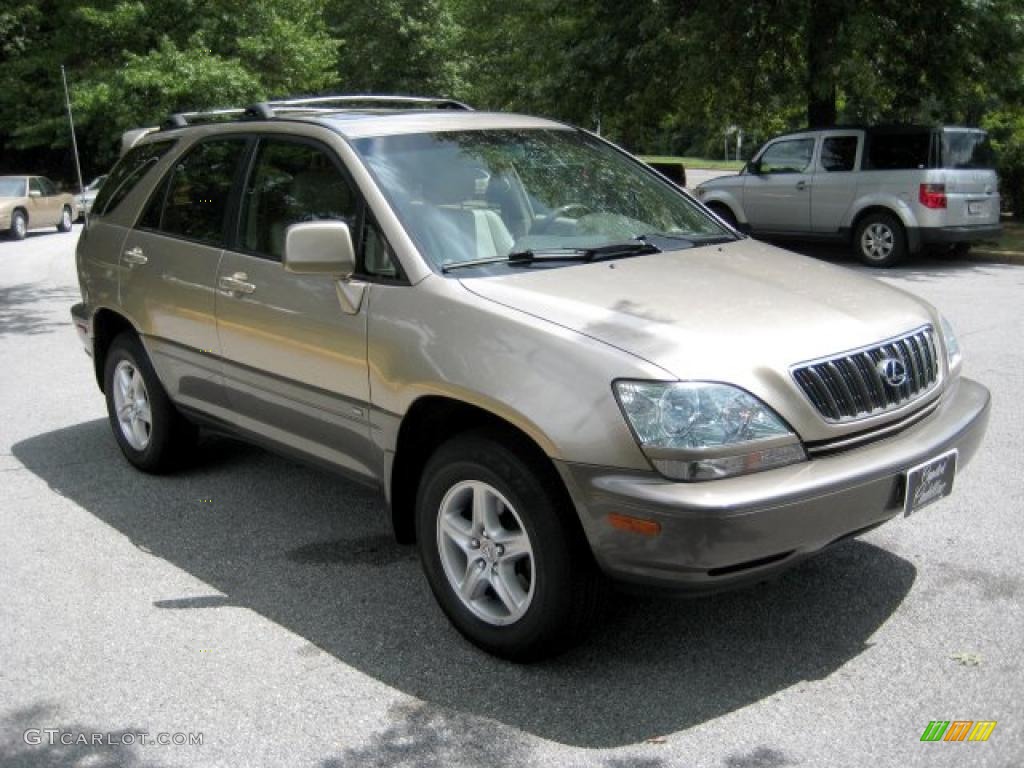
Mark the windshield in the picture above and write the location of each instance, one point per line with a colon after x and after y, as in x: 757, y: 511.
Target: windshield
x: 473, y: 195
x: 12, y: 187
x: 966, y: 148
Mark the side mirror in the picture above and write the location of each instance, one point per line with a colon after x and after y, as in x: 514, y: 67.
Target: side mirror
x: 754, y: 167
x: 319, y: 248
x: 35, y: 193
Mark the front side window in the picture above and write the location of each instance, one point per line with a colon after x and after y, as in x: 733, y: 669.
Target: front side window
x: 127, y: 174
x: 789, y: 156
x: 471, y: 195
x: 192, y: 201
x: 292, y: 182
x: 12, y: 188
x: 839, y: 153
x: 49, y: 188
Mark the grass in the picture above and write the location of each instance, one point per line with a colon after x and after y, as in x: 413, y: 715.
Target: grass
x: 1012, y: 239
x: 696, y: 162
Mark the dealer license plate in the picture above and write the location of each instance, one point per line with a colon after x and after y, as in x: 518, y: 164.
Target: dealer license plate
x: 929, y: 482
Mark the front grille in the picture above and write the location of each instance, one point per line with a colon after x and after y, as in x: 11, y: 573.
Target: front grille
x: 850, y: 386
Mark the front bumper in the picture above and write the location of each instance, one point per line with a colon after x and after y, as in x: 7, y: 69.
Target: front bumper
x: 725, y: 533
x: 80, y: 318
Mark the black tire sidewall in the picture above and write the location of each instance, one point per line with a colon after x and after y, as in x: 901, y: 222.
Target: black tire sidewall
x: 70, y: 221
x: 487, y: 461
x: 725, y: 214
x: 13, y: 232
x: 899, y: 239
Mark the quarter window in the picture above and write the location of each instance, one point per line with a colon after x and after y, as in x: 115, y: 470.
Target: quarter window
x: 838, y: 153
x: 196, y: 194
x: 292, y: 182
x: 790, y: 156
x: 34, y: 185
x: 899, y: 151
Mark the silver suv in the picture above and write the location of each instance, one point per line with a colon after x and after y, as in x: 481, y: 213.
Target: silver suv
x: 555, y: 365
x: 888, y: 191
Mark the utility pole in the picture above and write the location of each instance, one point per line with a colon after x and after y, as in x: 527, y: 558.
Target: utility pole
x: 71, y: 122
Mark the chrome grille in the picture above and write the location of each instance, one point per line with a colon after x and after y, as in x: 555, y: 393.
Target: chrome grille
x: 849, y: 386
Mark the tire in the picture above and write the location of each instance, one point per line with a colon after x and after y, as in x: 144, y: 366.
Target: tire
x: 19, y: 226
x: 880, y: 240
x: 64, y: 225
x: 131, y: 385
x: 725, y: 214
x: 960, y: 250
x: 531, y: 550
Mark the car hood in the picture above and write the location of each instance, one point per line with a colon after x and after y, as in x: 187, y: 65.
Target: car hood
x: 742, y: 312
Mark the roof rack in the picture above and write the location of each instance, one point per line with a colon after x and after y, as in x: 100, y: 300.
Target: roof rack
x: 267, y: 110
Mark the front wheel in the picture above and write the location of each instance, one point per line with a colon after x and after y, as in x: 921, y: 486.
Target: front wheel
x: 501, y: 551
x: 19, y: 226
x: 64, y: 225
x: 880, y: 240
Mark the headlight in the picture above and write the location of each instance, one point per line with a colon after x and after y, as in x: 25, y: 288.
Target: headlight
x: 701, y: 431
x: 953, y: 355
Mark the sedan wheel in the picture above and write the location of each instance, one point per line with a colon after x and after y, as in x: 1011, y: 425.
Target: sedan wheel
x: 65, y: 220
x: 19, y: 226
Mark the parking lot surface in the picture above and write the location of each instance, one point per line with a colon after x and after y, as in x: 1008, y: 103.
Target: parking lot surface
x: 259, y: 606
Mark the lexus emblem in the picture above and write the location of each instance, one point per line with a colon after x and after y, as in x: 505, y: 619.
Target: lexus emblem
x: 892, y: 371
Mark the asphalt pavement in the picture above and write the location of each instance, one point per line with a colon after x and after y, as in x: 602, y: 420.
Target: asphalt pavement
x: 259, y: 605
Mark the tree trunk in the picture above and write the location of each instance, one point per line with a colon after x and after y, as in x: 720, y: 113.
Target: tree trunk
x: 825, y: 19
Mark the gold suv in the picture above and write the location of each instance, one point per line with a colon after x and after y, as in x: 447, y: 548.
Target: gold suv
x: 557, y: 366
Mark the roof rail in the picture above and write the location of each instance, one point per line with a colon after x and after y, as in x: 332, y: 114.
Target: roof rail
x: 267, y: 110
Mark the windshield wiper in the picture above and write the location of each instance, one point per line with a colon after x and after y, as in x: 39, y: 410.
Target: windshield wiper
x: 529, y: 256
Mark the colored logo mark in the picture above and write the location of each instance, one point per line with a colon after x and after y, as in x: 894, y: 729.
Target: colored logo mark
x: 958, y: 730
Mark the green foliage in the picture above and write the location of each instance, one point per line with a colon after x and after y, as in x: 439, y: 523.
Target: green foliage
x: 659, y: 76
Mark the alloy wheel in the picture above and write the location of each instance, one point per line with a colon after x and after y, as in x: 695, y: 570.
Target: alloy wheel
x: 486, y: 552
x: 131, y: 403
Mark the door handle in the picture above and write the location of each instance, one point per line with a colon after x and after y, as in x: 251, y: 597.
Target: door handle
x: 236, y: 283
x: 135, y: 256
x: 801, y: 185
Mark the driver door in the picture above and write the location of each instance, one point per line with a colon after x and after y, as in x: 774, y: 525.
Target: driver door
x: 777, y: 195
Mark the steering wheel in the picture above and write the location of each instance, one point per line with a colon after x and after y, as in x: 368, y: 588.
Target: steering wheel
x: 544, y: 224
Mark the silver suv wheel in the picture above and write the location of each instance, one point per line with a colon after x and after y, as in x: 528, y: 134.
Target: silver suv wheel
x: 131, y: 403
x: 877, y: 242
x: 485, y: 552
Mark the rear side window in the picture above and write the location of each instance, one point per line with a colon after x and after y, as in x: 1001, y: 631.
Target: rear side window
x: 966, y: 149
x: 790, y: 156
x: 126, y: 174
x: 838, y: 153
x: 898, y: 151
x: 192, y: 201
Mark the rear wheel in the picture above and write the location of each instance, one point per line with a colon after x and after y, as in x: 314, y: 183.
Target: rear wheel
x: 151, y: 433
x: 19, y: 226
x: 501, y: 552
x: 64, y: 225
x: 880, y: 240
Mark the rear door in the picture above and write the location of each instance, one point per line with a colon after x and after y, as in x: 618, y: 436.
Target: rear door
x: 53, y: 200
x: 169, y: 270
x: 835, y: 179
x: 294, y: 358
x: 777, y: 198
